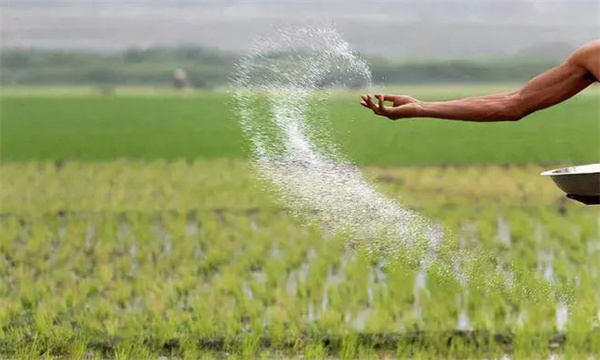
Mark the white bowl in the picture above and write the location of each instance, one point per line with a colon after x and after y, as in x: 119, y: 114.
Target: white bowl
x: 577, y: 180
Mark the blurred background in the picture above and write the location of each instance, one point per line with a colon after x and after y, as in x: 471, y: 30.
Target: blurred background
x: 141, y: 43
x: 134, y: 227
x: 435, y: 50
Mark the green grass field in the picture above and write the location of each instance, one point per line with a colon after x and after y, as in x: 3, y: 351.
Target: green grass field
x: 203, y: 125
x: 132, y: 227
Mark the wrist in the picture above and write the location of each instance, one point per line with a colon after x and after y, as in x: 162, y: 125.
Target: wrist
x: 419, y: 109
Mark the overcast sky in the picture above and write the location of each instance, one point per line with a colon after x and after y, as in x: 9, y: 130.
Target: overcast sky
x: 404, y: 28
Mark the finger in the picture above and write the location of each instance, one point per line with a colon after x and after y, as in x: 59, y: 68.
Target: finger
x: 370, y: 102
x: 376, y: 109
x: 365, y: 102
x: 372, y: 107
x: 401, y: 100
x: 386, y: 97
x: 381, y: 102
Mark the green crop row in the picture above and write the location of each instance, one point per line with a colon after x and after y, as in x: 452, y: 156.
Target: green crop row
x: 193, y: 259
x: 183, y: 186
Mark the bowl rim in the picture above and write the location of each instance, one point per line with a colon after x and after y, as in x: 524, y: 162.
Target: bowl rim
x: 586, y: 169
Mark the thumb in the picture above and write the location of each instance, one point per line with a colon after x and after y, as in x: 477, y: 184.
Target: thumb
x: 381, y: 104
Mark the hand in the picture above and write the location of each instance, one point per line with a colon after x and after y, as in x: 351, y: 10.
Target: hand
x: 402, y: 106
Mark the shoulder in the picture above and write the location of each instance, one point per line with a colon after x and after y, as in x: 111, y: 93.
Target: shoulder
x: 588, y: 58
x: 590, y: 49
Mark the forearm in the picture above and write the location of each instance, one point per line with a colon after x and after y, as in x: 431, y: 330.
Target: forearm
x: 499, y: 107
x: 547, y: 89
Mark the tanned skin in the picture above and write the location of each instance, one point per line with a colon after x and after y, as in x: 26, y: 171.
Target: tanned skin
x: 554, y: 86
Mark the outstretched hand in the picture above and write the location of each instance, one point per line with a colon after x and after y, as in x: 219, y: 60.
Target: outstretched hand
x: 402, y: 106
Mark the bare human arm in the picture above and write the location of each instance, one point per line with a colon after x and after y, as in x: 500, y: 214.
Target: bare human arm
x: 550, y: 88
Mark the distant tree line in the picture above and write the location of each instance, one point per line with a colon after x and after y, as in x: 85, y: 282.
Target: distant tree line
x: 508, y: 69
x: 205, y: 67
x: 209, y: 68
